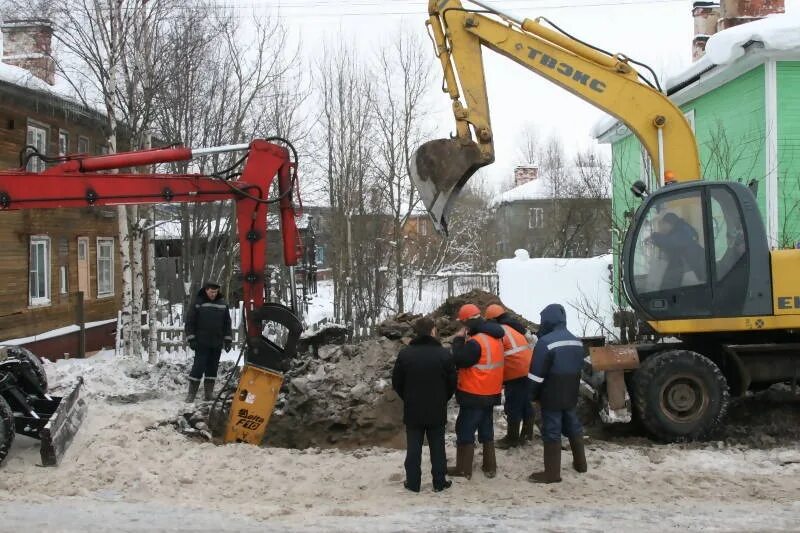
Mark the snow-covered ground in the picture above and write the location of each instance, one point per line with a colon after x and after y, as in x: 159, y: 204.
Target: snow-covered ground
x: 127, y: 471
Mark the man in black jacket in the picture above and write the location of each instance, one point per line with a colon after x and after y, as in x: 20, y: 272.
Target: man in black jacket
x: 425, y: 378
x: 208, y: 330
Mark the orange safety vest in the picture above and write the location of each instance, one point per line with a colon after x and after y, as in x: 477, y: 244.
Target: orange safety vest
x: 517, y: 354
x: 486, y: 377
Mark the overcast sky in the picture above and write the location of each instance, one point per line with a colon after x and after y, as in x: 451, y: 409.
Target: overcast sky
x: 656, y: 32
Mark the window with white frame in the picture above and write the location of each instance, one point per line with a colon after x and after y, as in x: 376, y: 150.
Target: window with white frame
x: 105, y: 266
x: 535, y: 217
x: 37, y: 137
x: 39, y: 270
x: 63, y: 143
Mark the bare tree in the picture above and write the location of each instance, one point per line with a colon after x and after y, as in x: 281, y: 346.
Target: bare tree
x: 403, y: 73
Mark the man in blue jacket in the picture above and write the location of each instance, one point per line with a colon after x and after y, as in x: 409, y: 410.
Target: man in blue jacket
x: 556, y: 375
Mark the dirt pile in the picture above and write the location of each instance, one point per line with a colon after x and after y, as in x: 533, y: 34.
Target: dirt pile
x: 444, y: 316
x: 342, y: 398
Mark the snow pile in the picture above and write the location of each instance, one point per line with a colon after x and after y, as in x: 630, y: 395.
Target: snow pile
x: 776, y: 32
x: 580, y: 285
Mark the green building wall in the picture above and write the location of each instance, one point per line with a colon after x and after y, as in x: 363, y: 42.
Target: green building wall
x: 730, y: 127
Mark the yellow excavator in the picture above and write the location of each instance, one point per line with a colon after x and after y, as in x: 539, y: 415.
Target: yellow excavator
x: 719, y: 310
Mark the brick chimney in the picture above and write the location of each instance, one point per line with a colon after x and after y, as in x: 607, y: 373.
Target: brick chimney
x: 706, y: 15
x: 27, y: 44
x: 711, y: 17
x: 737, y: 12
x: 525, y: 174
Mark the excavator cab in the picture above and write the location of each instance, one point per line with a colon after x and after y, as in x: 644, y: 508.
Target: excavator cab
x: 439, y: 169
x: 698, y: 250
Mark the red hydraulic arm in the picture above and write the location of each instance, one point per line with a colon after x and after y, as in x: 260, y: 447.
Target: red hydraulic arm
x: 77, y: 182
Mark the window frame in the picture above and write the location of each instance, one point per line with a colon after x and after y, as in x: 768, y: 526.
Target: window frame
x: 102, y: 292
x: 63, y: 150
x: 40, y: 301
x: 35, y: 164
x: 535, y: 218
x: 82, y: 139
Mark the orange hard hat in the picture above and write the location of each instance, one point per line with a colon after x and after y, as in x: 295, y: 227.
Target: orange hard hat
x: 468, y: 311
x: 494, y: 311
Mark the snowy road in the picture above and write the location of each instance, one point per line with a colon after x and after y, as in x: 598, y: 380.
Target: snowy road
x: 127, y: 471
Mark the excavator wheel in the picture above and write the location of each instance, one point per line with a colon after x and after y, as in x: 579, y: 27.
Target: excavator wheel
x: 23, y: 354
x: 6, y: 428
x: 680, y: 395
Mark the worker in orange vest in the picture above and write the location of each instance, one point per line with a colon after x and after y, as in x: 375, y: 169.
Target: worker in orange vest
x: 517, y: 352
x: 478, y: 356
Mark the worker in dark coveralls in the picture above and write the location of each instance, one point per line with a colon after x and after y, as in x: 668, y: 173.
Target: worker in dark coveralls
x: 425, y: 378
x: 208, y: 330
x: 556, y: 374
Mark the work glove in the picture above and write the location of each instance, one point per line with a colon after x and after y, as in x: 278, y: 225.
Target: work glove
x: 228, y: 345
x: 193, y: 344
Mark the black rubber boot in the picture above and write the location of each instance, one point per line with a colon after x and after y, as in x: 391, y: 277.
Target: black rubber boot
x: 446, y: 485
x: 465, y: 454
x: 489, y: 465
x: 511, y: 440
x: 208, y: 388
x: 552, y: 465
x: 526, y: 435
x: 193, y: 386
x: 578, y: 454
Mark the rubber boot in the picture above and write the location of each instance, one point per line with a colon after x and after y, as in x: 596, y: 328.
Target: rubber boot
x: 465, y: 453
x: 208, y: 389
x: 526, y: 435
x: 552, y: 465
x: 511, y: 440
x: 489, y: 465
x: 193, y: 386
x: 578, y: 454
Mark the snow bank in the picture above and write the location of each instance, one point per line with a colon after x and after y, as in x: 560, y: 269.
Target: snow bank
x: 580, y: 285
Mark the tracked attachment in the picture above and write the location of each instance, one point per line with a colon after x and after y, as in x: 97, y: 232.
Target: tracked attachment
x: 53, y: 420
x: 266, y: 358
x: 439, y: 170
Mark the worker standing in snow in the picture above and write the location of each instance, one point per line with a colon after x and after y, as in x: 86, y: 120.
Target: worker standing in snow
x: 208, y: 330
x: 555, y: 376
x: 517, y: 353
x: 478, y: 355
x: 425, y: 379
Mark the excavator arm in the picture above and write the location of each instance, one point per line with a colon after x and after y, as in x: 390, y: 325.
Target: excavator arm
x: 79, y: 181
x: 440, y: 168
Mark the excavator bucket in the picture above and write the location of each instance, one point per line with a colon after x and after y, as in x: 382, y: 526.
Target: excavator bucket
x: 439, y: 169
x: 266, y: 358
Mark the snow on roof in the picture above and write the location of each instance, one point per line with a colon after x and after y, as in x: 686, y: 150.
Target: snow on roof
x: 537, y: 189
x: 777, y: 33
x: 540, y: 188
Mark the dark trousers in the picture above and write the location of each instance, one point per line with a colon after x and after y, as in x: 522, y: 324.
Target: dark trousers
x: 413, y: 464
x: 206, y: 361
x: 518, y: 400
x: 472, y: 419
x: 556, y: 423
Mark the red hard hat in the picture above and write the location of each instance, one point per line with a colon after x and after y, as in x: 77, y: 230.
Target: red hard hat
x: 468, y: 311
x: 494, y: 311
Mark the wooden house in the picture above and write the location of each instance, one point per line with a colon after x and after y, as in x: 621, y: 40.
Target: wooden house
x: 50, y: 256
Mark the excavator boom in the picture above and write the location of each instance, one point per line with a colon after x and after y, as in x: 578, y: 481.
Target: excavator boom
x: 440, y: 168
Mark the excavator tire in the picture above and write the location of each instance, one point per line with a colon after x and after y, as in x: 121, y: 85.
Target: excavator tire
x: 23, y: 354
x: 6, y: 429
x: 680, y: 395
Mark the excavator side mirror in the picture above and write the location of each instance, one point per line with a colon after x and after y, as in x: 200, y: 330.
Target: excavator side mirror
x: 639, y: 189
